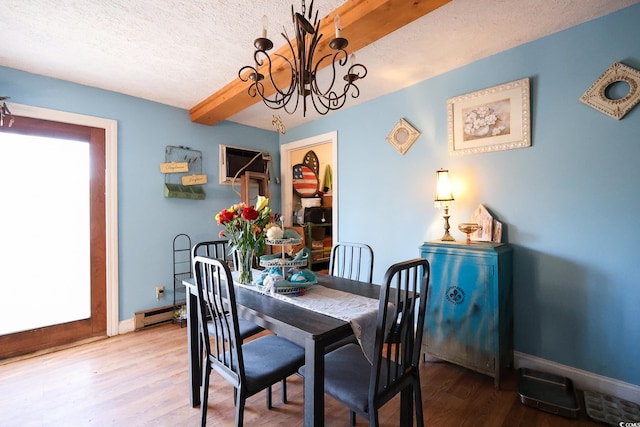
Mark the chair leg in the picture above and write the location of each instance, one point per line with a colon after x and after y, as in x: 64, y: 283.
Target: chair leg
x: 418, y: 396
x: 373, y: 418
x: 268, y: 391
x: 239, y: 409
x: 284, y: 390
x: 406, y: 406
x: 204, y: 400
x: 352, y: 418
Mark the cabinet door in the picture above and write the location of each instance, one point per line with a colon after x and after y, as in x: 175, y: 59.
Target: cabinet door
x: 460, y: 323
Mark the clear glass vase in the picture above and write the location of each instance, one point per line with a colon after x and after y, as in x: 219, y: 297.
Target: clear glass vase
x: 244, y: 258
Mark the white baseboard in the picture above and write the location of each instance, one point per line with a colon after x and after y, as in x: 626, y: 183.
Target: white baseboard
x: 582, y: 380
x: 125, y: 326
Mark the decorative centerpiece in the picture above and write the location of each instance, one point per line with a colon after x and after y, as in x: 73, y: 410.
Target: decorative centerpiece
x: 284, y: 273
x: 244, y: 228
x: 469, y: 228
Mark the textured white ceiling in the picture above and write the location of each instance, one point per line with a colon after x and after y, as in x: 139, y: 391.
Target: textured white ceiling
x: 178, y: 52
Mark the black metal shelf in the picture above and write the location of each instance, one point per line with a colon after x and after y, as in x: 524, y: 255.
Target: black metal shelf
x: 181, y: 271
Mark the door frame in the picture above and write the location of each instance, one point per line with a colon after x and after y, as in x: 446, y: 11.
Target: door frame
x: 287, y: 178
x: 111, y: 194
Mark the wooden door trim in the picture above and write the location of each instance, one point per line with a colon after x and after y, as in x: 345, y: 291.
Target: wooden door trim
x: 25, y: 342
x: 110, y: 127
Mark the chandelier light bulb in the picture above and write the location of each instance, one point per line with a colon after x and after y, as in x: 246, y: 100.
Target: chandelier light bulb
x: 338, y: 24
x: 265, y: 25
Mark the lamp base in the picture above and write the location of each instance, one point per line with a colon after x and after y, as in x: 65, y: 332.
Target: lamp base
x: 447, y: 237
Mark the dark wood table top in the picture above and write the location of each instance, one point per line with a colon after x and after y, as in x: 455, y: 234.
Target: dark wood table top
x: 295, y: 322
x: 298, y: 322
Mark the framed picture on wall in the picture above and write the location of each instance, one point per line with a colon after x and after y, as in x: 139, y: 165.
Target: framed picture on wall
x: 492, y: 119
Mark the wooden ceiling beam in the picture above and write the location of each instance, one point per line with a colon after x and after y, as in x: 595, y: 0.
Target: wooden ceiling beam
x: 363, y: 22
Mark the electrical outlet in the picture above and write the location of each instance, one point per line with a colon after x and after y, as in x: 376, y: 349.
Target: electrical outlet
x: 159, y: 292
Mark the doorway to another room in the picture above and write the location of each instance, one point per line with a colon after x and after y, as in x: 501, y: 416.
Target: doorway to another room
x: 309, y: 193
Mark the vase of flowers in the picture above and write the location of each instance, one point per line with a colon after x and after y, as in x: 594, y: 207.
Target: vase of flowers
x: 244, y: 260
x: 244, y: 228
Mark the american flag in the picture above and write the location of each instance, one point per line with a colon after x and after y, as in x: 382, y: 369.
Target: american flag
x: 305, y: 181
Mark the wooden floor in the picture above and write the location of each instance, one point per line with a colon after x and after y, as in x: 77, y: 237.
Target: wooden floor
x: 140, y: 379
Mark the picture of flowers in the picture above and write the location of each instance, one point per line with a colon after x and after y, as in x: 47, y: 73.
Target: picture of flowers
x: 487, y: 120
x: 492, y: 119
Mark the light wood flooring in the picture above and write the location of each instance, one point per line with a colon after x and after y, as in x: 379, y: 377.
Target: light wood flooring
x: 140, y: 379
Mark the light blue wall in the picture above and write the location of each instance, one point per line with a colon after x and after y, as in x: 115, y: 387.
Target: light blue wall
x: 570, y: 202
x: 147, y: 220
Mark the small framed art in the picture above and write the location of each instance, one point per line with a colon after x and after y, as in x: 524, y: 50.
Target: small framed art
x: 598, y: 96
x: 402, y: 136
x: 492, y: 119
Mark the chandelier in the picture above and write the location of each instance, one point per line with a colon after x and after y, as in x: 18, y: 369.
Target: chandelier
x: 301, y: 68
x: 4, y: 112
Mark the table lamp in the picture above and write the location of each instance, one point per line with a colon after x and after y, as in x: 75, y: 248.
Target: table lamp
x: 443, y: 200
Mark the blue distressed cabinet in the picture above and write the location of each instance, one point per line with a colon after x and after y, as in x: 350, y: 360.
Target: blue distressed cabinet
x: 469, y: 318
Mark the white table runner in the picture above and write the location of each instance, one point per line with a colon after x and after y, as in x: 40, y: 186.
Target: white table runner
x: 361, y: 312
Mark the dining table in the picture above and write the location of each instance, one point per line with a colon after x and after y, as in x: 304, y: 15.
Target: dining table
x: 312, y: 330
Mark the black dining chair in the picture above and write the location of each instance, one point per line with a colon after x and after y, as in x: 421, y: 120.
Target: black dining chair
x: 365, y: 387
x: 250, y: 366
x: 219, y: 249
x: 352, y: 261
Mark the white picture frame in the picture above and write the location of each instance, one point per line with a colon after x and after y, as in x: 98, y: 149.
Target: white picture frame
x: 492, y: 119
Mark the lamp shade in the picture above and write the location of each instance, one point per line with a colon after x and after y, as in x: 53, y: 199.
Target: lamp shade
x: 443, y: 189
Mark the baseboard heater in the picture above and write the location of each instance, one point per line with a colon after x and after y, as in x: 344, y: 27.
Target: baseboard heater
x: 155, y: 316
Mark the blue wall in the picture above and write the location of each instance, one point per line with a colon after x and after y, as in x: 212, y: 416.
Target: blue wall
x: 570, y: 202
x: 147, y: 220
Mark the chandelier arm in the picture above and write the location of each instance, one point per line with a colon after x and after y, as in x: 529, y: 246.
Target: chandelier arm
x: 329, y: 102
x: 279, y: 99
x: 253, y: 89
x: 341, y: 62
x: 300, y: 58
x: 315, y: 40
x: 355, y: 66
x: 315, y: 87
x: 355, y: 92
x: 291, y: 109
x: 302, y: 74
x: 291, y: 87
x: 242, y: 70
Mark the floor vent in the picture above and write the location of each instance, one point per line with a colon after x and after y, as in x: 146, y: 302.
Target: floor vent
x: 147, y: 318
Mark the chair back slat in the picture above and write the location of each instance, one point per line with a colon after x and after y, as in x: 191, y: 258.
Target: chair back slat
x: 399, y: 328
x: 352, y: 261
x: 218, y: 249
x: 218, y: 317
